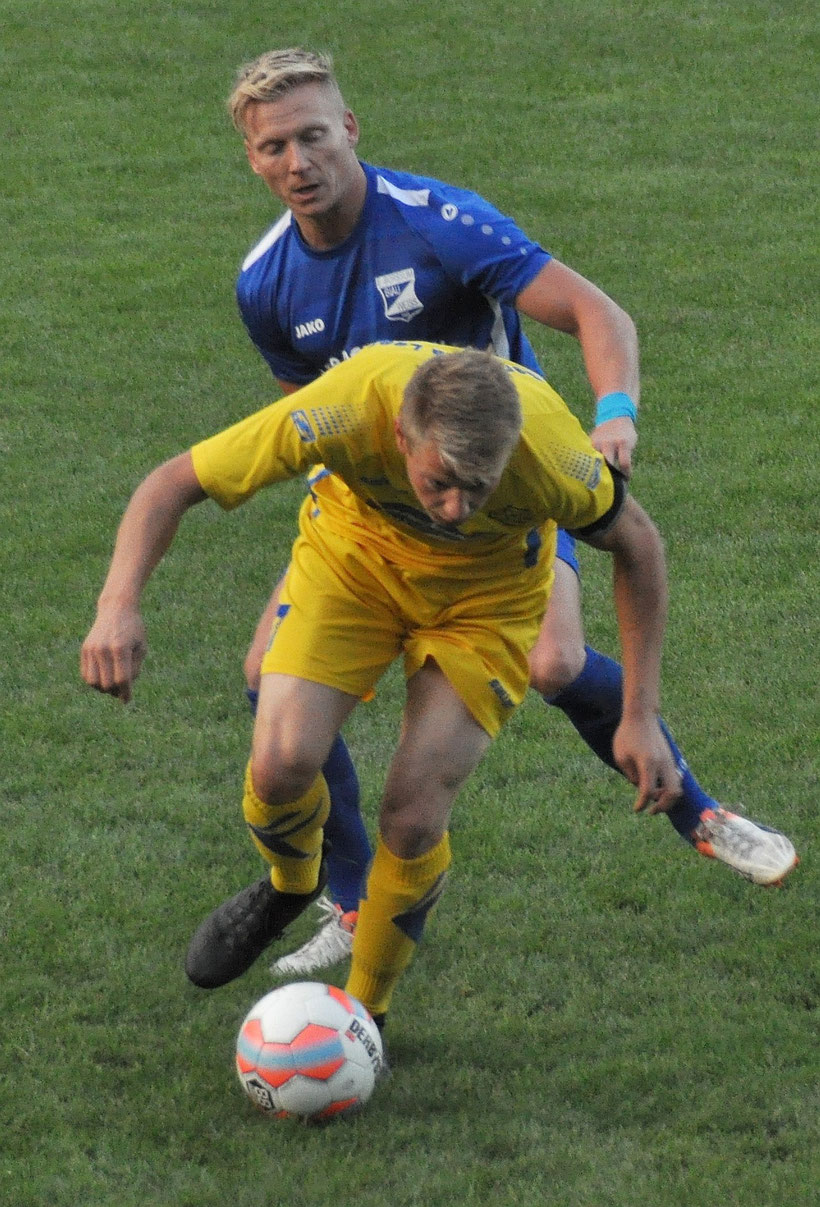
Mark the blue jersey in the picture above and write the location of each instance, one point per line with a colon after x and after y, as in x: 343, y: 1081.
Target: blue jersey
x: 426, y: 261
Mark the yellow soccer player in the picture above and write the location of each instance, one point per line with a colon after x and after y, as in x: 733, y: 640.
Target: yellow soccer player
x: 432, y: 538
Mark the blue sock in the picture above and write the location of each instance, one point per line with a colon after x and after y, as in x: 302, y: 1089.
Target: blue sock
x: 350, y: 853
x: 348, y: 846
x: 593, y: 703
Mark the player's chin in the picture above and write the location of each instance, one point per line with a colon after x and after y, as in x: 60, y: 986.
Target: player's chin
x: 442, y: 521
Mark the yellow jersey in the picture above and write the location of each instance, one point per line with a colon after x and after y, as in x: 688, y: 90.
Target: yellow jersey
x: 344, y: 421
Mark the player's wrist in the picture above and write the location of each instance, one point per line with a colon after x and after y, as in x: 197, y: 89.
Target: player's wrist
x: 615, y: 405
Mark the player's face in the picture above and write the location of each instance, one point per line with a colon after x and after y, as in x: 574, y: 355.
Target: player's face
x: 447, y: 499
x: 303, y: 145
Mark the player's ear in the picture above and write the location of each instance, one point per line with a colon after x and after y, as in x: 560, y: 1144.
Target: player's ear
x: 401, y: 439
x: 351, y: 127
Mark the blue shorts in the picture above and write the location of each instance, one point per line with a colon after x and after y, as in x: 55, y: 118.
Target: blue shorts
x: 565, y: 550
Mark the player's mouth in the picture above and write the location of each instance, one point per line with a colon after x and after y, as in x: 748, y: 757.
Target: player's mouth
x: 442, y: 522
x: 305, y: 192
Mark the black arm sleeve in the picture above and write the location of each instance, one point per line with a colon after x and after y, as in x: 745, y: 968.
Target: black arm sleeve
x: 610, y: 516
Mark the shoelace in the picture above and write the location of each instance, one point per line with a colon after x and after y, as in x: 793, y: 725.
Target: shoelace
x: 328, y: 908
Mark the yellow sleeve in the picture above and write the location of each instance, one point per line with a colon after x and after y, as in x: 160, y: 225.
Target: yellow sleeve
x: 333, y: 420
x: 580, y: 479
x: 259, y: 450
x: 569, y: 479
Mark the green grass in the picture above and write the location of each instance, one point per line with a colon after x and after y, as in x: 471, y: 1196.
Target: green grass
x: 598, y: 1017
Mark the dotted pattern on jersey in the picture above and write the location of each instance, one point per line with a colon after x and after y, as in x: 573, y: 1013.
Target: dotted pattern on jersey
x: 583, y: 467
x: 333, y: 421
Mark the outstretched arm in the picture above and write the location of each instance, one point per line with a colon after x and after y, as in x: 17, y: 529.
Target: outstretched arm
x: 639, y: 585
x: 114, y: 649
x: 560, y: 298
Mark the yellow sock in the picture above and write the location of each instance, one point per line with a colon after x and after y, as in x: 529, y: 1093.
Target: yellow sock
x: 400, y: 895
x: 289, y: 836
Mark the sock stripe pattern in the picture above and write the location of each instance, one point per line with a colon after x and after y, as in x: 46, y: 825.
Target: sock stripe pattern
x: 400, y: 895
x: 274, y: 836
x: 289, y: 836
x: 411, y: 922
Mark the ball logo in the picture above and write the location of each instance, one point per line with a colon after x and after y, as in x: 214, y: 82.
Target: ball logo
x: 356, y: 1030
x: 260, y: 1093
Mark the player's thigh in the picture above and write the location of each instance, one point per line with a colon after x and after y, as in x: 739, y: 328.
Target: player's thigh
x: 559, y: 653
x: 336, y: 623
x: 296, y: 723
x: 261, y: 637
x: 441, y: 743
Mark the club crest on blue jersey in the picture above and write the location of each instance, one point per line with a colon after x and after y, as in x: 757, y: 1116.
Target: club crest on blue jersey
x: 398, y: 290
x: 303, y: 426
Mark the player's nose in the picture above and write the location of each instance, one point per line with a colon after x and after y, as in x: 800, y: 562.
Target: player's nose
x: 295, y: 158
x: 456, y: 506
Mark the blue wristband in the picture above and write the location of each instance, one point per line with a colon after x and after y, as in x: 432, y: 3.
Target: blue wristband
x: 613, y: 406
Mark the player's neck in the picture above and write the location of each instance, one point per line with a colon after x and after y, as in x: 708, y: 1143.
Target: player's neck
x: 328, y: 230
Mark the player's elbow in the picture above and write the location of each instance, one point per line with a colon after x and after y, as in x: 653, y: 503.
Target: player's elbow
x: 643, y: 532
x: 633, y: 535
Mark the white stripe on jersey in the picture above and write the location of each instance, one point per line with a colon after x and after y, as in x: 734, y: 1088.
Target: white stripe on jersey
x: 498, y: 336
x: 267, y: 240
x: 408, y: 196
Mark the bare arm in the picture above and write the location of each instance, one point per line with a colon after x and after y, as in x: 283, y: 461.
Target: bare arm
x: 114, y: 649
x: 639, y: 586
x: 562, y: 299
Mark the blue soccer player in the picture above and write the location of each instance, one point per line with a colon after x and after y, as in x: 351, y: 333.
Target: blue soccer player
x: 364, y: 254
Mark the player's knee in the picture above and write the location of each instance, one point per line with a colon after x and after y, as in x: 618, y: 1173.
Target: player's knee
x: 412, y: 824
x: 407, y: 837
x: 554, y: 665
x: 280, y: 776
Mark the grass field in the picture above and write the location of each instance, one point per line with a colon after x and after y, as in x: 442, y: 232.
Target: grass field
x: 598, y: 1018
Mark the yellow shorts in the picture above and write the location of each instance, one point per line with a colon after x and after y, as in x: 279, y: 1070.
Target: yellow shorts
x: 347, y: 613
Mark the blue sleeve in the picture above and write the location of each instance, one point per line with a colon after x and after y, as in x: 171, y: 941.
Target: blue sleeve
x: 477, y: 244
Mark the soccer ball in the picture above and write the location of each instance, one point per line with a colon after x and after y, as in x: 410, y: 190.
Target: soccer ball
x: 308, y: 1050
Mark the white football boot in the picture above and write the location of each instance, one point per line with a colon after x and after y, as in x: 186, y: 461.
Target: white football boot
x: 330, y: 945
x: 762, y: 855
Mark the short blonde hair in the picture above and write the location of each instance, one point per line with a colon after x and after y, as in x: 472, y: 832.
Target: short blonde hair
x: 465, y: 403
x: 273, y: 74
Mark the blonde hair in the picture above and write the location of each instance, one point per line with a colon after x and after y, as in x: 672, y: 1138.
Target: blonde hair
x: 465, y: 403
x: 276, y: 72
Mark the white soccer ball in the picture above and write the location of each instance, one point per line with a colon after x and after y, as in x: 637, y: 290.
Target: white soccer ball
x: 310, y: 1051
